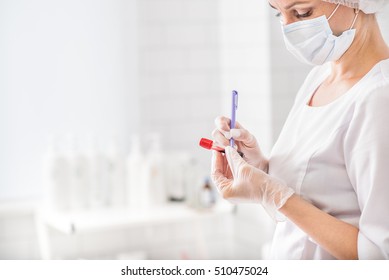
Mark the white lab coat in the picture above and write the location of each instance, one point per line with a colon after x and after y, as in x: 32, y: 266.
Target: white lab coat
x: 337, y: 157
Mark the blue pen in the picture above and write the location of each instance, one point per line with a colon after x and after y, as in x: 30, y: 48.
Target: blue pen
x: 233, y: 113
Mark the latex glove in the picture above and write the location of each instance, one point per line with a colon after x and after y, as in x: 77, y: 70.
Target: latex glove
x: 244, y: 140
x: 239, y: 181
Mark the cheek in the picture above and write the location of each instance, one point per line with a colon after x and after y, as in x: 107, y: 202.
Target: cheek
x: 341, y: 20
x: 339, y: 25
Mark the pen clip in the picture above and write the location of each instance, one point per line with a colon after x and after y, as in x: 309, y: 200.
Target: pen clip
x: 235, y: 96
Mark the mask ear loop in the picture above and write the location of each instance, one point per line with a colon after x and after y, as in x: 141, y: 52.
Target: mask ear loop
x: 355, y: 18
x: 336, y: 8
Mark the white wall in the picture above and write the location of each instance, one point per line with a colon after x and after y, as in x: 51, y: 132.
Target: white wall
x: 66, y: 67
x: 245, y: 65
x: 179, y: 71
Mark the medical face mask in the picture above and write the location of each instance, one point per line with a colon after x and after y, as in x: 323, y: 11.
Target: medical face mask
x: 312, y: 41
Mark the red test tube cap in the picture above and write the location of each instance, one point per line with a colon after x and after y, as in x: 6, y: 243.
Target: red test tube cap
x: 206, y: 143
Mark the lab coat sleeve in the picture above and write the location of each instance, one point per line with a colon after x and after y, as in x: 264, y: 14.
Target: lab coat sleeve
x: 366, y: 149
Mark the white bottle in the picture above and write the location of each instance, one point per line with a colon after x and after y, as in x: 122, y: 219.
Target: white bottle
x: 194, y: 182
x: 116, y: 175
x: 206, y: 195
x: 79, y: 176
x: 136, y: 190
x: 155, y: 173
x: 55, y: 178
x: 176, y: 169
x: 98, y: 194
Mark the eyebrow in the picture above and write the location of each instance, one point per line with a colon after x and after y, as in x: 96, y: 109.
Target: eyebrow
x: 290, y: 5
x: 272, y: 6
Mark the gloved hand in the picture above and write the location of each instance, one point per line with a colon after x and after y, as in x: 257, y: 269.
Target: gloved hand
x: 244, y: 140
x: 239, y: 181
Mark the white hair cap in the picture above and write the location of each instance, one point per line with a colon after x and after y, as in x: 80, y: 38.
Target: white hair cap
x: 367, y: 6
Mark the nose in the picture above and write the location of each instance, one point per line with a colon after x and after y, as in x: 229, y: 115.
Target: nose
x: 286, y: 20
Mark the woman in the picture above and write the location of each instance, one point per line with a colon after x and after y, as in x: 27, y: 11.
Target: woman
x: 327, y: 179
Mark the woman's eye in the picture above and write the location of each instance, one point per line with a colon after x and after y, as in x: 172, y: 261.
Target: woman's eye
x: 307, y: 14
x: 278, y: 15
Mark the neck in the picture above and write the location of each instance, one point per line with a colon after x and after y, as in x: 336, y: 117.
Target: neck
x: 366, y: 51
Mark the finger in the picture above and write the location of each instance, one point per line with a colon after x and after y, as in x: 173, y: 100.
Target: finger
x: 220, y: 138
x: 238, y: 125
x: 243, y: 135
x: 234, y: 160
x: 223, y: 126
x: 220, y: 165
x: 218, y: 171
x: 222, y: 134
x: 217, y: 166
x: 222, y: 184
x: 223, y: 123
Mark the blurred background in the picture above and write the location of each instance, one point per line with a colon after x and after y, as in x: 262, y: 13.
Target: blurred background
x: 102, y: 105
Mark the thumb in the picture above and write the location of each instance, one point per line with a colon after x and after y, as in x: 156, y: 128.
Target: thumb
x: 234, y: 160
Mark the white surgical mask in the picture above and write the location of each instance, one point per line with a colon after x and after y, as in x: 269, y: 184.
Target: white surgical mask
x: 312, y: 41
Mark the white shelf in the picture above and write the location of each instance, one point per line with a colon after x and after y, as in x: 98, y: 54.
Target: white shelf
x: 97, y: 220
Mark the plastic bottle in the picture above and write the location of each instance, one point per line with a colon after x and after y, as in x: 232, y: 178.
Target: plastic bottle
x: 79, y: 176
x: 176, y: 174
x: 207, y: 198
x: 155, y: 173
x: 116, y: 175
x: 55, y: 178
x: 136, y: 190
x: 193, y: 181
x: 98, y: 193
